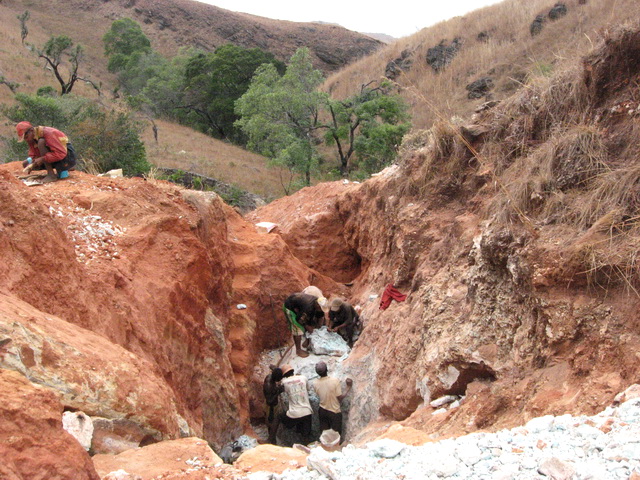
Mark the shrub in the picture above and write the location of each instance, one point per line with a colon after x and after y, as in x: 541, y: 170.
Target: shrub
x: 106, y: 139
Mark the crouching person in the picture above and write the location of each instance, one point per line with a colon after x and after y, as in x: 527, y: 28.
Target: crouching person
x: 49, y: 149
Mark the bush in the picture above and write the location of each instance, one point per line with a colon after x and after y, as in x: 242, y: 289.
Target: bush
x: 106, y: 139
x: 47, y: 91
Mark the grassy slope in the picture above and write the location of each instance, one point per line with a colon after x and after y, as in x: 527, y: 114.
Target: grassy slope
x: 178, y: 146
x: 510, y: 57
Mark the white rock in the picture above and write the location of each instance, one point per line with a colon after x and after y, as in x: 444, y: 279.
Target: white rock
x: 438, y: 402
x: 80, y: 426
x: 121, y: 475
x: 540, y: 424
x: 324, y: 342
x: 469, y: 454
x: 265, y: 227
x: 386, y: 448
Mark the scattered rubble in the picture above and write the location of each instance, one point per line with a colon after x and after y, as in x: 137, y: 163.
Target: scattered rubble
x: 606, y: 445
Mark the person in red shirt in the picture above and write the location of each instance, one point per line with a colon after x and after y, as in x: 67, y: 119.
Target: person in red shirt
x: 49, y: 149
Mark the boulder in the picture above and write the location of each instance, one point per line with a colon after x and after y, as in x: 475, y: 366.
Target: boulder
x: 483, y: 36
x: 479, y: 88
x: 324, y: 342
x: 33, y: 443
x: 89, y: 372
x: 556, y: 469
x: 396, y: 67
x: 558, y: 10
x: 162, y: 458
x: 441, y: 55
x: 79, y: 425
x: 536, y: 25
x: 629, y: 394
x: 271, y: 458
x: 115, y: 435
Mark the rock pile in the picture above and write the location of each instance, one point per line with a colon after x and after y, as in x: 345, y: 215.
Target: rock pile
x: 401, y: 64
x: 606, y: 445
x: 441, y: 55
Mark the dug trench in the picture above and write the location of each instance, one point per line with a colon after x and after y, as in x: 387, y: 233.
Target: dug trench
x: 121, y: 296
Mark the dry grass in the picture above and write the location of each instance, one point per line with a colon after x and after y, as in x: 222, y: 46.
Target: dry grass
x: 558, y: 152
x: 511, y: 56
x: 183, y: 148
x: 564, y: 158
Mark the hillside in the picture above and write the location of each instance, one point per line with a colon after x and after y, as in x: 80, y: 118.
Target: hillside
x: 174, y: 24
x: 170, y: 27
x: 493, y: 46
x: 154, y: 311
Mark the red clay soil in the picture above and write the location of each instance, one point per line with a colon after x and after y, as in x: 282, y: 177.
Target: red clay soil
x: 158, y: 271
x: 32, y: 441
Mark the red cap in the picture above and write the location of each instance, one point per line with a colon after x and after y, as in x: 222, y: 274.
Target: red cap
x: 21, y: 129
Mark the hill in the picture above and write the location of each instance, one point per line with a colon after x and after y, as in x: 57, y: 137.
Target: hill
x: 493, y: 46
x: 173, y: 24
x: 170, y: 25
x: 149, y: 309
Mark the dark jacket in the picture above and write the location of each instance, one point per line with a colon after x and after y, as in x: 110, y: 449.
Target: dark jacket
x: 306, y: 308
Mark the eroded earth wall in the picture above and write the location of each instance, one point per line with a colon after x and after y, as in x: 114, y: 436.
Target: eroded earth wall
x: 517, y: 258
x: 121, y: 296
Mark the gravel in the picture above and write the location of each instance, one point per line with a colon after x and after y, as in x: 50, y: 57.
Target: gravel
x: 604, y: 446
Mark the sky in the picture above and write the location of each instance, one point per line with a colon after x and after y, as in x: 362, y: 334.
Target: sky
x: 398, y: 18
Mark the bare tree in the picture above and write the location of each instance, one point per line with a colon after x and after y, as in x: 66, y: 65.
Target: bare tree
x: 54, y: 52
x: 24, y: 31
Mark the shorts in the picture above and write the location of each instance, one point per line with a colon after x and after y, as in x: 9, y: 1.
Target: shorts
x: 294, y: 325
x: 66, y: 163
x: 301, y: 424
x: 330, y: 420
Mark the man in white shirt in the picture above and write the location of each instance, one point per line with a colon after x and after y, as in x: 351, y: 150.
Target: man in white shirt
x: 299, y: 414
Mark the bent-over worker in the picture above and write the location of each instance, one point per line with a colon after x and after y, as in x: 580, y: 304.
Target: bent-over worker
x: 49, y: 149
x: 303, y: 313
x: 343, y: 319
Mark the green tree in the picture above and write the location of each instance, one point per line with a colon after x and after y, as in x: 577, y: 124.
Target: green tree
x: 213, y: 83
x: 124, y: 39
x: 102, y: 138
x: 140, y: 69
x: 279, y: 114
x: 130, y: 55
x: 370, y: 124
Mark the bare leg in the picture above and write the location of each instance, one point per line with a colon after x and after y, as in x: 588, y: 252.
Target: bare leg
x: 51, y: 174
x: 297, y: 340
